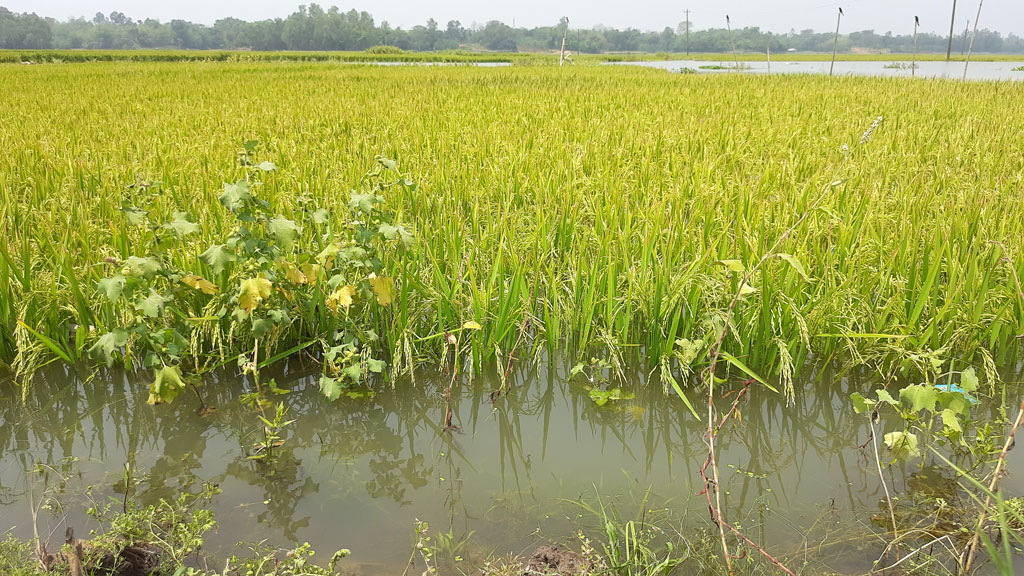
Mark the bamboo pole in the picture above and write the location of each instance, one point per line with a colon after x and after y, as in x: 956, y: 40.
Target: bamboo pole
x: 970, y: 48
x: 728, y: 25
x: 952, y: 20
x: 913, y: 63
x: 835, y: 44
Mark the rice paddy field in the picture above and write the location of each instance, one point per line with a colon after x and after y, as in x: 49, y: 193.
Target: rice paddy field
x: 561, y: 208
x: 621, y: 217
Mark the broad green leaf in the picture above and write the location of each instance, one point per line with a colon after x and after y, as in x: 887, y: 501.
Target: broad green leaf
x: 969, y: 380
x: 200, y: 283
x: 796, y: 264
x: 112, y: 287
x: 251, y: 292
x: 152, y: 305
x: 747, y: 289
x: 353, y: 373
x: 884, y: 396
x: 134, y: 215
x: 919, y: 397
x: 860, y: 403
x: 166, y: 385
x: 284, y: 230
x: 279, y: 316
x: 218, y: 257
x: 267, y: 166
x: 951, y: 421
x: 733, y: 265
x: 375, y: 366
x: 181, y: 226
x: 364, y: 202
x: 261, y: 326
x: 954, y: 401
x: 384, y: 289
x: 109, y: 343
x: 903, y: 445
x: 236, y: 197
x: 387, y: 163
x: 138, y: 267
x: 330, y: 388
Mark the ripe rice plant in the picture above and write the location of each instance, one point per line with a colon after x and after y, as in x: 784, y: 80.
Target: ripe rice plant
x: 576, y: 208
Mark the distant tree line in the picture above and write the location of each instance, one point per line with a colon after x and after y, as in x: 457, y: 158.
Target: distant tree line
x: 314, y: 28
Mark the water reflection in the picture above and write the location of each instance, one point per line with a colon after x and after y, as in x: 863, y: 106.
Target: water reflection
x: 357, y: 473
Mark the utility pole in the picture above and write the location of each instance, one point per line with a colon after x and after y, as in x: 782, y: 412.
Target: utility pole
x: 913, y: 63
x: 687, y: 31
x: 952, y: 19
x: 731, y: 41
x: 561, y: 56
x: 835, y: 44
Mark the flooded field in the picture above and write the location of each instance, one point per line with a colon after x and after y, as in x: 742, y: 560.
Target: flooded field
x: 925, y: 69
x: 519, y: 470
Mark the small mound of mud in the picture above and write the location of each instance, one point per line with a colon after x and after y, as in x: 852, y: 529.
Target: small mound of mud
x: 553, y: 559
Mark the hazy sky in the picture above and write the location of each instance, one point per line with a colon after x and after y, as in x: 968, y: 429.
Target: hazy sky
x: 775, y: 15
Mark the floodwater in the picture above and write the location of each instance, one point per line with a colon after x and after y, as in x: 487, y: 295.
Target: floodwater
x: 523, y: 469
x: 929, y: 69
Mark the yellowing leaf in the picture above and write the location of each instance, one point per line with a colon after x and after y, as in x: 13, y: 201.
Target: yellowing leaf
x: 341, y: 297
x: 311, y: 272
x: 384, y: 289
x: 733, y: 265
x: 251, y: 292
x: 200, y: 283
x: 294, y: 275
x: 472, y: 325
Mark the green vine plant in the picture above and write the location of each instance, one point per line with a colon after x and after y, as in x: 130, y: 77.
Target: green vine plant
x: 943, y: 409
x: 274, y: 281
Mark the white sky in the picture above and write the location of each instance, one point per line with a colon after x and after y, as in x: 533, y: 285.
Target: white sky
x: 775, y: 15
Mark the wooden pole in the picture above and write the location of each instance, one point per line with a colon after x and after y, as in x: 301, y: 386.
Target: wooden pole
x: 952, y: 19
x: 913, y: 63
x: 973, y: 34
x: 732, y: 42
x: 835, y: 44
x: 769, y: 58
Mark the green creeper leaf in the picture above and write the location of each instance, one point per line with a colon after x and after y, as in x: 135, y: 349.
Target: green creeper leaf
x: 152, y: 305
x: 180, y: 225
x: 919, y: 397
x: 903, y: 445
x: 747, y: 289
x: 375, y: 366
x: 112, y: 287
x: 951, y: 421
x: 284, y: 230
x: 389, y: 164
x: 321, y: 216
x: 884, y: 396
x: 108, y: 344
x: 969, y: 380
x: 364, y: 202
x: 796, y: 264
x: 134, y: 215
x: 261, y: 326
x: 267, y: 166
x: 398, y: 233
x: 166, y: 385
x: 138, y: 267
x: 218, y: 257
x: 330, y: 388
x: 955, y: 401
x: 353, y: 373
x: 279, y: 316
x: 860, y: 403
x: 236, y: 197
x: 251, y: 292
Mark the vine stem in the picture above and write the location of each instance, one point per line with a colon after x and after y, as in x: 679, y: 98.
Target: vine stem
x: 881, y: 477
x: 972, y: 546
